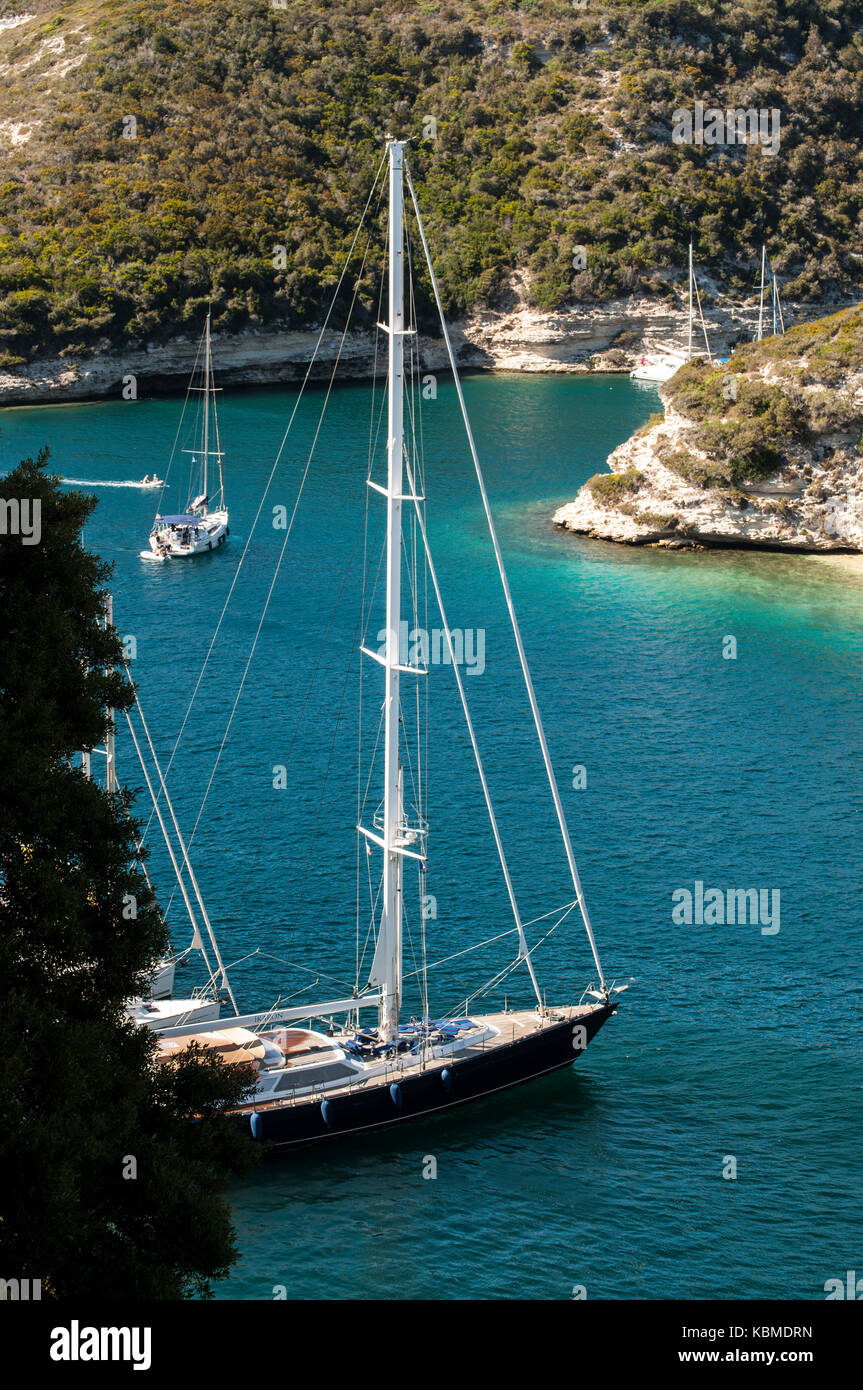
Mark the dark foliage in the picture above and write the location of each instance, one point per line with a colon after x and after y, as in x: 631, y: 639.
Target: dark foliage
x: 83, y: 1103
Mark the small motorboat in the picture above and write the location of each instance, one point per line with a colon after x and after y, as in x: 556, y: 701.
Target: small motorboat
x: 149, y: 482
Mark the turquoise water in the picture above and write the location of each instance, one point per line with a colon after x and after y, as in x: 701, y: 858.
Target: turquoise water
x: 739, y: 773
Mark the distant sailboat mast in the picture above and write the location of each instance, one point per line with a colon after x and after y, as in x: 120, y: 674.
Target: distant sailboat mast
x: 206, y: 411
x: 768, y: 277
x: 689, y: 350
x: 200, y: 504
x: 778, y: 321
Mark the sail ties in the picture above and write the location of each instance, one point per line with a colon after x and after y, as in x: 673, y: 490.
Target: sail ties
x: 537, y: 719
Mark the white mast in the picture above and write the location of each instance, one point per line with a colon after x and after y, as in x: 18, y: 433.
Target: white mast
x: 761, y: 303
x: 206, y: 406
x: 110, y: 769
x: 689, y: 352
x: 390, y: 943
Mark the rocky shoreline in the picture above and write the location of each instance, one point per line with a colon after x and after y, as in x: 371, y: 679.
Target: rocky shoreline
x: 766, y: 452
x: 608, y: 337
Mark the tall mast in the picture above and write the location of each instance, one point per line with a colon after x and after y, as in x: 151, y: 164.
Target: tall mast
x: 110, y: 769
x: 689, y: 353
x: 761, y: 302
x: 391, y: 910
x: 206, y: 405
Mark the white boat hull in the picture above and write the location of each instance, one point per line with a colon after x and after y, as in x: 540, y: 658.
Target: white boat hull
x: 162, y: 980
x: 171, y: 1013
x: 180, y: 542
x: 661, y: 370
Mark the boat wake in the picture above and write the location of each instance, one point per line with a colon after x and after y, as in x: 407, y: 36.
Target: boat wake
x: 105, y: 482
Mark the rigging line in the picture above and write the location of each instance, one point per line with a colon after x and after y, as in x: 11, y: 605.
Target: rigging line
x: 193, y: 880
x: 566, y: 909
x: 410, y: 549
x: 290, y: 965
x: 701, y: 317
x: 424, y: 987
x: 373, y: 905
x: 415, y: 410
x: 476, y: 753
x: 422, y: 732
x: 416, y: 969
x: 311, y: 685
x: 372, y: 759
x: 484, y: 989
x: 281, y: 556
x: 495, y: 980
x: 179, y: 428
x: 336, y: 725
x: 367, y: 616
x: 537, y: 718
x: 199, y: 426
x: 272, y: 474
x: 455, y: 956
x: 536, y: 945
x: 170, y: 849
x: 373, y: 443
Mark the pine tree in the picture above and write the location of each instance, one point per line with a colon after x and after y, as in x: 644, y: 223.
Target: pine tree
x: 112, y: 1167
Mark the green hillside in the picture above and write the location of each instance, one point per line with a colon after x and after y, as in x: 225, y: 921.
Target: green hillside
x: 260, y: 126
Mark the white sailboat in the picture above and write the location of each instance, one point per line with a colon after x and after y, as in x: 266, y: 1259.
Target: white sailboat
x: 768, y: 279
x: 203, y: 526
x: 662, y: 366
x: 311, y: 1083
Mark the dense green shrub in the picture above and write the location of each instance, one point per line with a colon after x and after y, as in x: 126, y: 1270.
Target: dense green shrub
x: 613, y: 488
x: 260, y: 127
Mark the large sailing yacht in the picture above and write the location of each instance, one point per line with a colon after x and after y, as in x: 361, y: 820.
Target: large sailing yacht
x: 203, y: 526
x: 312, y: 1082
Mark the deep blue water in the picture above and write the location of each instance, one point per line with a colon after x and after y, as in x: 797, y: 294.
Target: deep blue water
x: 740, y: 773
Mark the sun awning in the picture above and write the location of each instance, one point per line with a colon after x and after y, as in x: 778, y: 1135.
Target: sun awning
x: 181, y: 520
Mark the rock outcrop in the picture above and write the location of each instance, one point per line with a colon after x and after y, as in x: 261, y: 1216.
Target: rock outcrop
x: 764, y: 451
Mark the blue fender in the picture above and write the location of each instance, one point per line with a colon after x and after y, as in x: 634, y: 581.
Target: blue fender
x: 446, y: 1079
x: 396, y: 1095
x: 327, y: 1112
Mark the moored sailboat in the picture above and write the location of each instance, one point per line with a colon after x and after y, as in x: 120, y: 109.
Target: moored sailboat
x: 312, y: 1084
x: 662, y: 366
x: 203, y: 526
x: 768, y: 281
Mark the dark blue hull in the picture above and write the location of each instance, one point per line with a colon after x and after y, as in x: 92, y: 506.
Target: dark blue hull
x: 429, y: 1092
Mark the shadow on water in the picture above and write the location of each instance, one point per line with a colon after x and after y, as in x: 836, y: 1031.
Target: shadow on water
x: 533, y: 1113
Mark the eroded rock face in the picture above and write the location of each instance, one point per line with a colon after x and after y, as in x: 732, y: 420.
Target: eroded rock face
x: 766, y: 451
x: 595, y: 337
